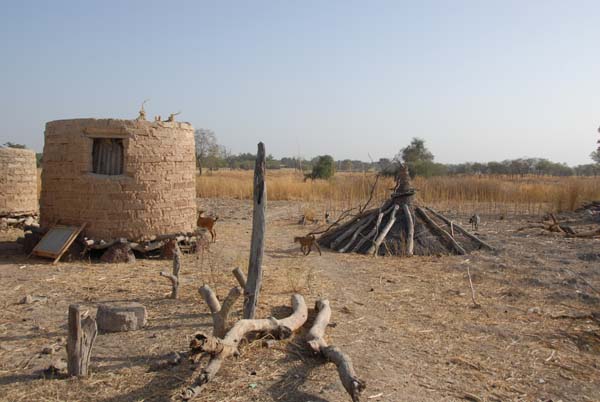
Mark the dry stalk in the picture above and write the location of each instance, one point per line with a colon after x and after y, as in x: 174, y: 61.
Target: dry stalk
x: 475, y: 304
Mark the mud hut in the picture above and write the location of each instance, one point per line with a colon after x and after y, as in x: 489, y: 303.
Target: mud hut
x: 401, y: 227
x: 131, y: 179
x: 18, y: 182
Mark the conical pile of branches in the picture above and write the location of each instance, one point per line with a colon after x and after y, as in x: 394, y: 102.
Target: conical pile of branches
x: 401, y: 227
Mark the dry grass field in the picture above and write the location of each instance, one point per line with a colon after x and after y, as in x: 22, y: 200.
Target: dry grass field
x: 408, y: 323
x: 491, y: 194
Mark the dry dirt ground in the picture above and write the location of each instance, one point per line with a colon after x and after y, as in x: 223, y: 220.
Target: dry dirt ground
x: 408, y: 324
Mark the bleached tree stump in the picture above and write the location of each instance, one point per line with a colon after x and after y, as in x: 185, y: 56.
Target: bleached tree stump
x: 80, y: 341
x: 219, y: 313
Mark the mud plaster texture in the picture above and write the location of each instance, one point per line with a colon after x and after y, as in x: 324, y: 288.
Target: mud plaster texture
x: 154, y: 195
x: 18, y: 182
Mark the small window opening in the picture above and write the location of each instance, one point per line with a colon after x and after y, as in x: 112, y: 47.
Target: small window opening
x: 107, y: 156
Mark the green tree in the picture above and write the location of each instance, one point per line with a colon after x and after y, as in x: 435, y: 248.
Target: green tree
x: 415, y: 152
x: 418, y: 159
x: 323, y: 168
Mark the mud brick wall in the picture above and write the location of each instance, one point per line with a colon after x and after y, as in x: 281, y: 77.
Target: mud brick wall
x: 154, y: 195
x: 18, y: 182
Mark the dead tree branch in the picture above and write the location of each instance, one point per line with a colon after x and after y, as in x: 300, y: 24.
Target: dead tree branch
x: 221, y: 349
x: 219, y: 313
x: 475, y: 304
x: 174, y: 278
x: 315, y: 338
x: 240, y: 277
x: 257, y: 242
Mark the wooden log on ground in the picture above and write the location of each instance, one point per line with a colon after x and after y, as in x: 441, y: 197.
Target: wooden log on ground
x: 462, y: 230
x: 441, y: 232
x: 80, y: 341
x: 410, y: 230
x: 219, y: 313
x: 356, y: 233
x: 221, y: 349
x: 174, y: 278
x: 240, y: 277
x: 375, y: 247
x: 585, y: 235
x: 369, y: 235
x: 351, y: 230
x: 315, y: 338
x: 257, y: 243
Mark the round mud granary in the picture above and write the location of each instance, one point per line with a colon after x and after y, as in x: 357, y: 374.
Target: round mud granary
x: 124, y: 178
x: 18, y: 182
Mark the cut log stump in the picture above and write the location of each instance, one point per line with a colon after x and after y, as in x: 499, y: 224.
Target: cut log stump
x: 120, y: 317
x: 82, y: 334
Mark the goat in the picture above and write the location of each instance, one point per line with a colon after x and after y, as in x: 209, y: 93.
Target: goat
x: 306, y: 244
x: 475, y: 220
x: 209, y: 224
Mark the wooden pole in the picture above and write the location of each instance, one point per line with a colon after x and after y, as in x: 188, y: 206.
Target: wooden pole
x: 80, y: 340
x: 375, y: 247
x: 257, y: 244
x: 410, y: 230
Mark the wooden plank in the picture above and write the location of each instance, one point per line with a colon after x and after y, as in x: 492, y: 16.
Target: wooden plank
x: 56, y: 241
x: 69, y: 242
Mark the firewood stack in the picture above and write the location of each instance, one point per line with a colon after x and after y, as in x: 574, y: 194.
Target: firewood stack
x: 401, y: 227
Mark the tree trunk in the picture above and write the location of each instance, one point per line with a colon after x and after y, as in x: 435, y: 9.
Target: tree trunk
x: 257, y: 244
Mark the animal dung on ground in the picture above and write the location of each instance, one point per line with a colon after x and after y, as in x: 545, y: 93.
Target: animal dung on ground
x: 401, y: 227
x: 121, y: 316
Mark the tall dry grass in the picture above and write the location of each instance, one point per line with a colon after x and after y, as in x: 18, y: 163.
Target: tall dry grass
x: 484, y: 194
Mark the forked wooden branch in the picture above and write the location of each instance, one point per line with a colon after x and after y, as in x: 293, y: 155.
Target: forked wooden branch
x: 240, y: 277
x: 220, y: 313
x: 221, y: 349
x: 80, y: 341
x: 174, y: 278
x: 315, y: 338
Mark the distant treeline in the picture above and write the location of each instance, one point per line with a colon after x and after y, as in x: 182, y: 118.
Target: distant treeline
x: 521, y: 166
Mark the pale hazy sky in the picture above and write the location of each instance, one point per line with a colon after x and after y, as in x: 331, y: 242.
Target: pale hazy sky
x: 478, y: 80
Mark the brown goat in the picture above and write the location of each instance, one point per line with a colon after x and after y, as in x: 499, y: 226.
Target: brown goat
x: 209, y: 224
x: 306, y: 244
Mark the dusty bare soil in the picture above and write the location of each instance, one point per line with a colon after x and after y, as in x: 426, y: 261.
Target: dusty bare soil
x: 408, y: 324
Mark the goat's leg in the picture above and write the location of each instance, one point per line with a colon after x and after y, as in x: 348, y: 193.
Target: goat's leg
x: 318, y: 248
